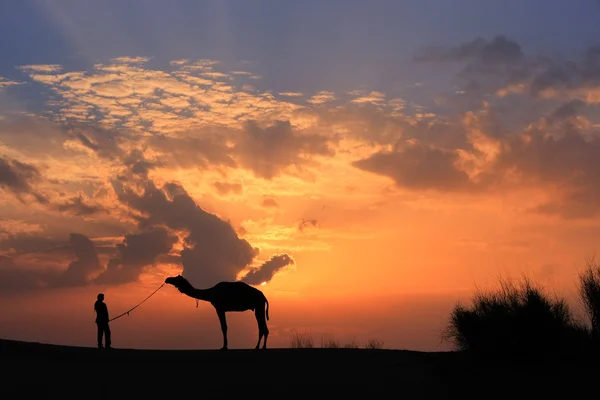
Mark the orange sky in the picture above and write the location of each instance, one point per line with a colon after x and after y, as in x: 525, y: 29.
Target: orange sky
x: 391, y: 211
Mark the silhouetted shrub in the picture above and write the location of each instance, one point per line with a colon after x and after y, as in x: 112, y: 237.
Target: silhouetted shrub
x: 374, y: 344
x: 514, y: 319
x: 589, y: 292
x: 330, y: 343
x: 302, y: 340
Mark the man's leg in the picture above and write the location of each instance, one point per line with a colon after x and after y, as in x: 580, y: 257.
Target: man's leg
x: 100, y: 331
x: 107, y: 341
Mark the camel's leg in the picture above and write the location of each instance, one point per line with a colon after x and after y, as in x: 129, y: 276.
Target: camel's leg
x: 263, y: 331
x: 223, y: 322
x: 260, y: 328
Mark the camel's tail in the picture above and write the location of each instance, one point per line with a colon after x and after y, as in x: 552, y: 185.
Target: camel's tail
x: 267, y: 308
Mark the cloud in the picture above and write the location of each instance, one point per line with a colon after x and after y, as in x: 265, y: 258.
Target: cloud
x: 580, y: 78
x: 18, y: 178
x: 31, y: 240
x: 199, y: 149
x: 557, y: 154
x: 416, y: 165
x: 87, y: 263
x: 136, y: 252
x: 377, y: 98
x: 500, y: 65
x: 554, y: 153
x: 307, y: 224
x: 269, y: 202
x: 113, y: 139
x: 77, y: 206
x: 12, y: 227
x: 499, y: 51
x: 45, y: 68
x: 31, y: 254
x: 291, y: 94
x: 268, y: 150
x: 224, y: 188
x: 125, y: 93
x: 322, y: 97
x: 6, y: 83
x: 37, y: 262
x: 266, y: 271
x: 491, y: 146
x: 15, y: 279
x: 212, y: 251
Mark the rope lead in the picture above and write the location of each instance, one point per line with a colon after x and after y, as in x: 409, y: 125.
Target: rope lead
x: 139, y: 304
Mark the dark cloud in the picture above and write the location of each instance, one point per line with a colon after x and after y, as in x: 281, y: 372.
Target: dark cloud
x: 78, y: 272
x: 568, y: 163
x: 568, y: 75
x: 265, y: 272
x: 136, y: 252
x: 418, y: 166
x: 307, y: 224
x: 34, y: 136
x: 138, y: 164
x: 18, y: 243
x: 19, y: 177
x: 500, y: 62
x: 554, y: 77
x: 269, y: 202
x: 105, y: 142
x: 556, y: 152
x: 267, y: 151
x: 537, y: 145
x: 21, y: 271
x: 212, y: 251
x: 566, y: 112
x: 16, y: 175
x: 499, y: 51
x: 224, y: 188
x: 365, y: 122
x: 14, y: 278
x: 201, y: 149
x: 77, y: 206
x: 487, y: 65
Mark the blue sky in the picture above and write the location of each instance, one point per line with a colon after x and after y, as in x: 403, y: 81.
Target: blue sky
x: 297, y: 45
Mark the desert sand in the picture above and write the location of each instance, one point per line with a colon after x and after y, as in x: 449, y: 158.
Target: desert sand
x: 34, y: 368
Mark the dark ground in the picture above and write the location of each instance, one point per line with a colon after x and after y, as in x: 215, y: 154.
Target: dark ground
x: 33, y: 368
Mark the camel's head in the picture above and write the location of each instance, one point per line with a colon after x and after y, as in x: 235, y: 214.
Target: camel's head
x: 177, y: 281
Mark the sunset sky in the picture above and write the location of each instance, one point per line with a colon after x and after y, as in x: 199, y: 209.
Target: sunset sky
x: 369, y: 163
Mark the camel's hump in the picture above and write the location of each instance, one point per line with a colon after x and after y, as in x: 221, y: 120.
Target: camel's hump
x: 236, y: 284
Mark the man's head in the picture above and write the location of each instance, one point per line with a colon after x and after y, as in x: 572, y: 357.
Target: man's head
x: 101, y: 296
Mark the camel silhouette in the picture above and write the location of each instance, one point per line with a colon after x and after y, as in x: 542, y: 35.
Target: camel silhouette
x: 229, y: 296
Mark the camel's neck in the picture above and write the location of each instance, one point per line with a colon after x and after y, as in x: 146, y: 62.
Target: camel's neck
x: 200, y: 294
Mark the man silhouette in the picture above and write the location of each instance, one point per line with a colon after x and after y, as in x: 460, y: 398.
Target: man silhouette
x: 102, y: 321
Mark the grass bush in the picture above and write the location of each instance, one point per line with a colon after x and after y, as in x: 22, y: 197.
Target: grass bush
x: 589, y: 291
x: 330, y: 343
x: 374, y: 344
x: 516, y: 318
x: 302, y: 340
